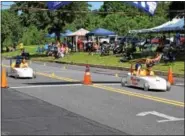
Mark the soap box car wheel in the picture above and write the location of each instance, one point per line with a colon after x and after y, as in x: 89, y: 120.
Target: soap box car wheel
x: 146, y: 87
x: 123, y: 82
x: 168, y: 86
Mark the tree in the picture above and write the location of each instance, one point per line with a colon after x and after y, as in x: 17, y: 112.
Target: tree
x: 54, y: 20
x: 131, y: 17
x: 11, y: 30
x: 32, y: 36
x: 117, y: 6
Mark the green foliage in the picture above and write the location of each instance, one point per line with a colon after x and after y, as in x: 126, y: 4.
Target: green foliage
x: 8, y: 41
x: 31, y: 26
x: 54, y: 20
x: 32, y: 36
x: 125, y: 18
x: 11, y: 29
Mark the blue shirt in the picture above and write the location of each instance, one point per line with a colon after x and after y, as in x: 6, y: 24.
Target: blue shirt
x: 178, y: 36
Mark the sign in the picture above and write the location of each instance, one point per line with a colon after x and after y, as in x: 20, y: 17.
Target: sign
x: 167, y: 117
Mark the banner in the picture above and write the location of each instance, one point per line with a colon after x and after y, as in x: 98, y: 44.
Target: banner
x: 56, y: 5
x: 148, y: 7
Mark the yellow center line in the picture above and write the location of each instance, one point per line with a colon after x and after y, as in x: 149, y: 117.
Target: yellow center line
x: 126, y: 92
x: 171, y: 102
x: 121, y: 91
x: 56, y: 77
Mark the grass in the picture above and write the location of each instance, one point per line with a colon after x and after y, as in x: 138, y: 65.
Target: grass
x: 31, y: 49
x: 178, y: 66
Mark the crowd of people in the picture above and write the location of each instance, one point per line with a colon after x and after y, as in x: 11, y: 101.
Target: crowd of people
x: 88, y: 46
x: 57, y: 49
x: 61, y: 49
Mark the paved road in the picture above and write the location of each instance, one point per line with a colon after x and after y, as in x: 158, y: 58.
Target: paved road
x: 179, y: 81
x: 105, y: 103
x: 26, y: 115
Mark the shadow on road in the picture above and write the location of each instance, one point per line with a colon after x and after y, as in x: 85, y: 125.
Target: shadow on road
x: 150, y: 90
x: 65, y: 83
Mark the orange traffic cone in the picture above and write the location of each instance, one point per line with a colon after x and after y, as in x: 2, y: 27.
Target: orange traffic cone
x: 4, y: 83
x: 87, y: 77
x: 170, y: 76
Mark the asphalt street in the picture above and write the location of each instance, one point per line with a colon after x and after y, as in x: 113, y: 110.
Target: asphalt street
x: 40, y: 105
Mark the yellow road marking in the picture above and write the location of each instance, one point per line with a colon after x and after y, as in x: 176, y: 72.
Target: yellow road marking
x: 121, y: 91
x: 56, y: 77
x: 128, y: 92
x: 166, y: 101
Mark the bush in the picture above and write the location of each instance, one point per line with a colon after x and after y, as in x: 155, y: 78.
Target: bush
x: 32, y: 36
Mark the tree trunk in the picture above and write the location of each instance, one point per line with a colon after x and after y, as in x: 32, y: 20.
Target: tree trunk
x: 57, y: 36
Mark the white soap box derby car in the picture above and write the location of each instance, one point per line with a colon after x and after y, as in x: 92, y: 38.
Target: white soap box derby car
x: 146, y: 82
x: 18, y: 72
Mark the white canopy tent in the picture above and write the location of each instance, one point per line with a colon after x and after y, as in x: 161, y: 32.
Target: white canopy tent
x: 177, y: 26
x: 158, y: 28
x: 79, y: 33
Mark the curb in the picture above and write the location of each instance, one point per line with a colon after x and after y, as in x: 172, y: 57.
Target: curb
x: 161, y: 73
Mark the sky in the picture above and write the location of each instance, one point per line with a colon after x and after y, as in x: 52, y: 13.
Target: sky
x: 95, y: 5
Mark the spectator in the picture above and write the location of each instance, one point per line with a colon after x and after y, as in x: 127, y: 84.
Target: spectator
x: 177, y: 37
x: 61, y: 50
x: 70, y: 45
x: 164, y: 39
x: 80, y: 45
x: 160, y: 47
x: 21, y: 46
x: 66, y: 49
x: 23, y: 52
x: 58, y: 44
x: 95, y: 46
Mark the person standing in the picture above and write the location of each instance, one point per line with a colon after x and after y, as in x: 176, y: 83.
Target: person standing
x: 177, y: 37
